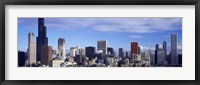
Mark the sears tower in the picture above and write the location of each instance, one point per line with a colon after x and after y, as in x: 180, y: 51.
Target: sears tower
x: 42, y: 39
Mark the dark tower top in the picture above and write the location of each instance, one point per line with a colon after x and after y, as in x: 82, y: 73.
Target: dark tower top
x: 42, y: 39
x: 41, y: 28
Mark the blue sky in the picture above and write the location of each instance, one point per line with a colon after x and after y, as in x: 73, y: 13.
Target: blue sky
x: 119, y: 32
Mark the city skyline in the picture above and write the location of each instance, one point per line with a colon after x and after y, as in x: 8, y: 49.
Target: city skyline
x: 86, y: 32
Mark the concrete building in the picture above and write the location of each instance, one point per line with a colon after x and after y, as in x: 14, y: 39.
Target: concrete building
x: 61, y: 48
x: 82, y: 51
x: 72, y: 51
x: 42, y: 39
x: 102, y: 45
x: 46, y: 55
x: 56, y: 63
x: 31, y: 49
x: 161, y: 57
x: 174, y: 55
x: 165, y: 49
x: 77, y: 52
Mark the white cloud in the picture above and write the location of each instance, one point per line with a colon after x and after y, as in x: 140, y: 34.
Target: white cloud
x: 135, y: 36
x: 130, y: 25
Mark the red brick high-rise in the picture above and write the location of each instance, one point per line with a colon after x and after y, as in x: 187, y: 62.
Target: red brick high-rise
x: 134, y: 48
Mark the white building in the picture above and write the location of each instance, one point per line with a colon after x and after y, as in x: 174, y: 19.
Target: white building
x: 174, y: 56
x: 82, y: 51
x: 77, y: 50
x: 57, y: 62
x: 31, y: 49
x: 61, y: 47
x: 72, y: 52
x: 102, y: 45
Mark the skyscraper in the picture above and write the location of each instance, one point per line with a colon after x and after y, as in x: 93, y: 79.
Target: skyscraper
x: 102, y: 45
x: 174, y: 56
x: 31, y: 49
x: 42, y: 40
x: 160, y: 57
x: 90, y: 52
x: 134, y: 48
x: 46, y: 53
x: 156, y: 54
x: 61, y: 47
x: 165, y: 49
x: 121, y: 53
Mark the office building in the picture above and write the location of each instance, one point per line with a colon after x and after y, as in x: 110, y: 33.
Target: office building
x: 121, y: 53
x: 165, y: 49
x: 77, y: 52
x: 82, y: 51
x: 72, y: 51
x: 139, y: 50
x: 42, y: 40
x: 156, y: 54
x: 102, y: 45
x: 90, y: 52
x: 78, y: 59
x: 21, y: 58
x: 134, y: 48
x: 31, y: 49
x: 160, y: 57
x: 174, y: 56
x: 126, y: 54
x: 61, y: 48
x: 111, y: 51
x: 46, y: 53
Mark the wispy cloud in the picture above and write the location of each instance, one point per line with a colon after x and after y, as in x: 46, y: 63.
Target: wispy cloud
x: 129, y: 25
x: 135, y: 36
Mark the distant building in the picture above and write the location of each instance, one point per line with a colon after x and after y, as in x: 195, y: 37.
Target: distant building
x: 90, y: 52
x: 72, y: 51
x: 121, y: 53
x: 78, y: 59
x: 61, y: 47
x: 156, y: 54
x: 134, y: 48
x: 160, y: 57
x: 165, y: 49
x: 110, y: 51
x: 82, y: 51
x: 126, y: 54
x: 46, y: 53
x: 136, y: 58
x: 102, y: 45
x: 56, y: 63
x: 174, y: 55
x: 31, y: 49
x: 21, y: 58
x: 77, y: 52
x: 180, y: 59
x: 139, y: 51
x: 42, y: 39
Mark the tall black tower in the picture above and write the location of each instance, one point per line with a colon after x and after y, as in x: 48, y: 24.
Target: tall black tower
x: 42, y: 39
